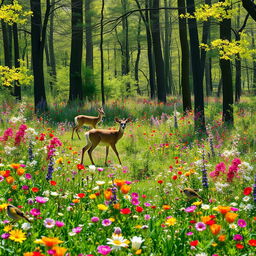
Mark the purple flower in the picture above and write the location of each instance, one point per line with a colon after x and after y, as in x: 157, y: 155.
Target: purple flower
x: 5, y: 235
x: 49, y: 223
x: 35, y: 212
x: 147, y: 217
x: 136, y: 195
x: 100, y: 169
x: 238, y: 237
x: 95, y: 219
x: 1, y: 178
x: 241, y: 223
x: 104, y: 249
x: 25, y: 187
x: 77, y: 230
x: 128, y: 182
x: 147, y: 204
x: 200, y: 226
x: 106, y: 222
x: 59, y: 223
x: 190, y: 208
x: 28, y: 176
x: 234, y: 209
x: 135, y: 201
x: 30, y: 201
x: 117, y: 230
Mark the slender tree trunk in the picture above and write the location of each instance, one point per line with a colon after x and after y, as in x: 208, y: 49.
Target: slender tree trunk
x: 6, y: 44
x: 101, y: 53
x: 17, y: 88
x: 88, y: 34
x: 186, y: 93
x: 167, y: 49
x: 238, y: 82
x: 254, y: 66
x: 159, y: 63
x: 115, y: 66
x: 76, y: 90
x: 226, y: 74
x: 197, y: 70
x: 38, y: 33
x: 136, y: 67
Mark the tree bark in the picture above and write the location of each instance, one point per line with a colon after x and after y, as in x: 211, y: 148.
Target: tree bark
x: 250, y: 7
x: 186, y: 93
x: 254, y: 66
x: 6, y: 44
x: 75, y: 89
x: 136, y: 66
x: 167, y: 49
x: 102, y: 54
x: 197, y: 70
x: 88, y: 34
x: 159, y: 63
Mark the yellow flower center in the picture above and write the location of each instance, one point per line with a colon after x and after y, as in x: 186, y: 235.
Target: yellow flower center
x: 117, y: 242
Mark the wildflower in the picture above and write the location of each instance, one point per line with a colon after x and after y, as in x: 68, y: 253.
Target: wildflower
x: 17, y: 235
x: 59, y: 251
x: 26, y: 226
x: 170, y: 221
x: 239, y: 246
x: 190, y: 208
x: 59, y: 224
x: 194, y: 243
x: 241, y: 223
x: 215, y: 229
x: 125, y: 211
x: 205, y: 206
x: 223, y: 209
x: 189, y: 233
x: 136, y: 242
x: 135, y: 201
x: 5, y: 235
x: 108, y: 194
x: 230, y: 217
x: 28, y: 176
x: 247, y: 191
x: 35, y: 212
x: 49, y: 241
x: 118, y: 242
x: 222, y: 238
x: 106, y: 222
x: 95, y: 219
x: 147, y: 217
x: 117, y: 230
x: 238, y: 237
x: 102, y: 207
x: 41, y: 200
x: 104, y: 249
x: 92, y: 168
x: 125, y: 189
x: 139, y: 209
x: 35, y: 189
x: 252, y: 242
x: 200, y: 226
x: 77, y: 230
x: 166, y: 207
x: 80, y: 167
x: 49, y: 223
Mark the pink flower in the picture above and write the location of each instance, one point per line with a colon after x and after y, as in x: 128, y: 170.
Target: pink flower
x: 28, y: 176
x: 41, y: 200
x: 190, y: 208
x: 221, y: 167
x: 104, y: 249
x: 135, y: 201
x: 77, y: 230
x: 49, y: 223
x: 241, y: 223
x: 59, y: 224
x: 95, y: 219
x: 106, y: 222
x: 200, y: 226
x: 35, y: 212
x: 238, y: 237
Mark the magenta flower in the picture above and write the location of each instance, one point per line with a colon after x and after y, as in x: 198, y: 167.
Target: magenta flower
x: 59, y: 224
x: 1, y: 178
x: 35, y: 212
x: 135, y: 201
x: 147, y: 217
x: 41, y: 199
x: 5, y: 235
x: 237, y: 237
x: 241, y: 223
x: 106, y: 222
x: 189, y: 233
x: 190, y: 208
x: 28, y: 176
x: 136, y: 195
x: 147, y: 204
x: 104, y: 249
x: 95, y: 219
x: 25, y: 187
x: 200, y: 226
x: 100, y: 169
x: 77, y: 230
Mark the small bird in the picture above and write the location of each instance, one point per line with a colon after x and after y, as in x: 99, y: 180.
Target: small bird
x: 191, y: 193
x: 15, y: 213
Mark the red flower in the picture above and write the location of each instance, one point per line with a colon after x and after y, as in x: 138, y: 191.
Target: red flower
x: 160, y: 181
x: 80, y: 167
x: 53, y: 183
x: 81, y: 195
x: 7, y: 173
x: 252, y: 242
x: 139, y: 209
x: 153, y: 207
x: 192, y: 221
x: 247, y: 191
x: 239, y: 246
x: 97, y: 193
x: 210, y: 222
x: 174, y: 177
x: 179, y: 172
x: 125, y: 211
x: 194, y: 243
x: 51, y: 135
x: 35, y: 189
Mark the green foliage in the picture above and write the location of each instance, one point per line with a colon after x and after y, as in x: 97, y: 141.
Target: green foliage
x: 89, y: 84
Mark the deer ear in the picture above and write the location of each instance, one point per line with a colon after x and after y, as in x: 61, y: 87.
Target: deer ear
x: 117, y: 120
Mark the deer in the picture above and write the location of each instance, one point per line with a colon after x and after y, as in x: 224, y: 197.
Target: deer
x: 89, y: 120
x: 107, y: 138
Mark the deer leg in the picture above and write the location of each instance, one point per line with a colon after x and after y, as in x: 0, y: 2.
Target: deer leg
x: 113, y: 146
x: 107, y: 149
x: 91, y: 149
x: 72, y: 137
x: 77, y: 128
x: 83, y: 150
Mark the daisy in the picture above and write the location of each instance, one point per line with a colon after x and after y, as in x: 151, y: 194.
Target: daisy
x: 117, y: 242
x: 17, y: 235
x: 136, y: 242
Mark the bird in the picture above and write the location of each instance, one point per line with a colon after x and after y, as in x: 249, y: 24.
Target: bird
x: 15, y: 213
x: 191, y: 193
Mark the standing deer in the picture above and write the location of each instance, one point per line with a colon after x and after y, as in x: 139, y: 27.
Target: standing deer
x: 89, y: 120
x: 105, y: 137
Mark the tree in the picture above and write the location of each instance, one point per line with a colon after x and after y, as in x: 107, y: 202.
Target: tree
x: 159, y: 63
x: 136, y: 66
x: 102, y: 54
x: 75, y: 88
x: 186, y: 94
x: 88, y: 34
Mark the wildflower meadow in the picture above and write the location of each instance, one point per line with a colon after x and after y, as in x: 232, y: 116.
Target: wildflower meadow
x: 139, y: 208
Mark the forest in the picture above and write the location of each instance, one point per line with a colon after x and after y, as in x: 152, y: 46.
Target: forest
x: 167, y: 87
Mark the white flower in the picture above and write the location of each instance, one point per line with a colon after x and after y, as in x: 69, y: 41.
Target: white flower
x: 246, y: 198
x: 46, y: 193
x: 201, y: 254
x: 117, y: 242
x: 54, y: 194
x: 100, y: 183
x: 205, y: 206
x: 71, y: 233
x: 92, y: 168
x: 96, y: 188
x: 26, y: 226
x: 136, y: 242
x: 8, y: 150
x: 233, y: 226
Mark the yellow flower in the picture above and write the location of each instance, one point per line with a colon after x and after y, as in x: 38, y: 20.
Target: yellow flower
x: 7, y: 228
x: 48, y: 241
x: 112, y: 219
x: 59, y: 161
x: 138, y: 252
x: 171, y: 221
x: 17, y: 235
x: 197, y: 203
x: 138, y: 226
x: 92, y: 196
x: 3, y: 207
x: 76, y: 200
x: 102, y: 207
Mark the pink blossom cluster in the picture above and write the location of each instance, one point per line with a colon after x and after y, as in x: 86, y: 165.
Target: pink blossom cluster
x: 7, y: 133
x: 219, y: 168
x: 233, y: 169
x: 19, y: 136
x: 54, y: 142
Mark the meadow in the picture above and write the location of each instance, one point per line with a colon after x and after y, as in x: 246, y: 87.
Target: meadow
x: 137, y: 208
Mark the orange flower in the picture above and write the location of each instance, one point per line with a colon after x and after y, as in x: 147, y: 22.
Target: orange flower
x: 205, y: 219
x: 49, y: 241
x: 125, y: 189
x: 108, y: 194
x: 215, y: 229
x: 223, y: 209
x: 119, y: 183
x: 116, y: 206
x: 166, y: 207
x: 15, y: 166
x: 222, y: 238
x: 230, y: 217
x: 59, y: 251
x: 14, y: 187
x: 10, y: 180
x: 76, y: 200
x: 20, y: 171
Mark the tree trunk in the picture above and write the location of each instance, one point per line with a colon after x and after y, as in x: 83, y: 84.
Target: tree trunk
x: 76, y: 90
x: 38, y: 31
x: 136, y: 66
x: 197, y: 70
x: 167, y: 49
x: 6, y: 44
x: 88, y: 34
x: 186, y: 93
x: 17, y: 88
x: 101, y: 54
x: 254, y: 66
x: 159, y: 63
x: 226, y: 74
